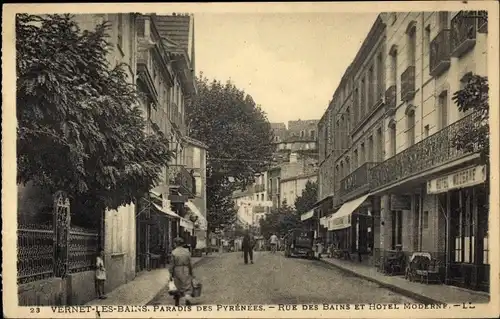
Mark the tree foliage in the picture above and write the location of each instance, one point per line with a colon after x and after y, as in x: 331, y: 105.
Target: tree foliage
x: 475, y: 135
x: 239, y: 140
x: 80, y: 128
x: 306, y: 200
x: 279, y: 221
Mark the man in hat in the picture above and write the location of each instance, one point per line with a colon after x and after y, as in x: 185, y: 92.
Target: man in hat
x: 247, y: 245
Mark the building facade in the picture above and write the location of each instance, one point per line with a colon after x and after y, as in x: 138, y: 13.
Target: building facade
x: 397, y: 179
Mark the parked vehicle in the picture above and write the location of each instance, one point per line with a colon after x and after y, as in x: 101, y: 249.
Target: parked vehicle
x: 299, y: 243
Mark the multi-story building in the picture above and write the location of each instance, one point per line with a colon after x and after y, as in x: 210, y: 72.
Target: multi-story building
x: 397, y: 179
x: 431, y: 55
x: 294, y: 176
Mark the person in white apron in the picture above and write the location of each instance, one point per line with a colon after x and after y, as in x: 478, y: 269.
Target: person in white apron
x: 100, y: 275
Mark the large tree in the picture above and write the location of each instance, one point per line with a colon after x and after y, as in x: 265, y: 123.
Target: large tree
x: 239, y: 140
x: 80, y: 128
x: 306, y: 200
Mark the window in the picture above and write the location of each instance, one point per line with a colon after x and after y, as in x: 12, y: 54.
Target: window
x: 362, y: 155
x: 394, y: 68
x: 363, y: 99
x: 262, y: 197
x: 355, y: 159
x: 301, y: 133
x: 392, y: 138
x: 370, y: 150
x: 410, y: 132
x: 443, y: 17
x: 371, y: 87
x: 397, y: 228
x: 412, y: 46
x: 428, y: 40
x: 394, y: 18
x: 425, y: 220
x: 426, y: 131
x: 380, y: 146
x: 380, y: 77
x: 356, y: 105
x: 313, y: 134
x: 443, y: 110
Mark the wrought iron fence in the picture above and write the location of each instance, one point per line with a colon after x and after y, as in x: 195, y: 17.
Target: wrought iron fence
x: 179, y: 176
x: 83, y: 246
x: 35, y: 253
x: 463, y: 32
x: 440, y: 52
x: 435, y: 150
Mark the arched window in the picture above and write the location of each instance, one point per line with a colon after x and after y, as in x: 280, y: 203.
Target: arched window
x: 410, y: 124
x: 392, y: 136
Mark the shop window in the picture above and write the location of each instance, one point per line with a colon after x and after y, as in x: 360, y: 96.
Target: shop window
x: 425, y: 220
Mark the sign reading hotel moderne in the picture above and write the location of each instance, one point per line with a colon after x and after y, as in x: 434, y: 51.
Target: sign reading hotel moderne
x: 464, y: 178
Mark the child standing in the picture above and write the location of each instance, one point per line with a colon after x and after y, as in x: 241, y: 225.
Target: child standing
x: 100, y: 275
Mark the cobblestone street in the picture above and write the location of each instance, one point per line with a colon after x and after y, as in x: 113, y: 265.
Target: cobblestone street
x: 274, y: 279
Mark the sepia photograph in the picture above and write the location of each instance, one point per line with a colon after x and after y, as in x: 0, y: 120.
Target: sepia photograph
x: 186, y: 161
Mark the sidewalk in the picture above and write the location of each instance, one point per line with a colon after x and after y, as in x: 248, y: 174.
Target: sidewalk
x: 141, y: 290
x: 432, y: 293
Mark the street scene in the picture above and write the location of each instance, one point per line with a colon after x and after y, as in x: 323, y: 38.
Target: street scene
x: 274, y: 279
x: 218, y: 159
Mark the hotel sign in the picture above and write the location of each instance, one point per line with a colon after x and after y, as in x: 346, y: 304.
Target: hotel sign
x: 464, y: 178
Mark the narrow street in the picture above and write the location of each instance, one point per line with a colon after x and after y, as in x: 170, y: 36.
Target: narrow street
x: 274, y: 279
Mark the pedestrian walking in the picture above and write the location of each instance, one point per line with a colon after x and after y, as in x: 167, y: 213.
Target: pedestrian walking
x: 100, y: 275
x: 273, y: 240
x: 182, y: 272
x: 248, y: 245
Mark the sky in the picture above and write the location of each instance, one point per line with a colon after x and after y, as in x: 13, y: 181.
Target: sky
x: 290, y: 63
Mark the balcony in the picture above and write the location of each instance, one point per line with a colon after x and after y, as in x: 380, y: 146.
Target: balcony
x: 177, y: 119
x: 180, y: 179
x: 434, y: 151
x: 440, y: 53
x: 357, y: 181
x: 390, y: 99
x: 463, y: 33
x: 408, y: 84
x: 259, y: 188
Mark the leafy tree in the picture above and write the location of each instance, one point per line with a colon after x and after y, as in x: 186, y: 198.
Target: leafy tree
x: 475, y: 136
x: 80, y: 128
x: 239, y: 140
x: 306, y: 200
x: 279, y: 221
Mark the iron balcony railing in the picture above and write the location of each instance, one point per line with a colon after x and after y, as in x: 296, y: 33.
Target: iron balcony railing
x: 181, y: 178
x: 435, y: 150
x: 482, y: 23
x: 463, y: 32
x: 408, y: 83
x: 356, y: 180
x: 440, y: 54
x: 390, y: 98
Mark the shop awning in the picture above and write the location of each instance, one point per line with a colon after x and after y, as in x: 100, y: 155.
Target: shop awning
x: 166, y: 212
x: 186, y: 224
x: 307, y: 215
x: 342, y: 218
x: 201, y: 219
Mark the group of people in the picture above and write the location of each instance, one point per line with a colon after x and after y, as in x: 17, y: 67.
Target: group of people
x: 181, y: 272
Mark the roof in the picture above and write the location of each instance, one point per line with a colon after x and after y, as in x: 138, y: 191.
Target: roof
x: 175, y: 27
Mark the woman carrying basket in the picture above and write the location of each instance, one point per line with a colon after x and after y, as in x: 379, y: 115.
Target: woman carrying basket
x: 182, y: 272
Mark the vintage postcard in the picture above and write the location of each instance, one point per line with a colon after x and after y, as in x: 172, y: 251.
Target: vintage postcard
x: 250, y: 160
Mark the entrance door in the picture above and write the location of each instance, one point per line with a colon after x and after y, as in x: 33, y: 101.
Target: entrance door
x: 397, y: 228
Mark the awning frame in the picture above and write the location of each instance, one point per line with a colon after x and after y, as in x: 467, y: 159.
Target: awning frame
x: 345, y: 211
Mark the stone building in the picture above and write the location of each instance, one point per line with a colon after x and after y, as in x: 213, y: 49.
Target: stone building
x: 415, y: 189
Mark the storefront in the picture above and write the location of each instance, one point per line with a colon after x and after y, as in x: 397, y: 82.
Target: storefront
x: 352, y: 226
x: 464, y: 196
